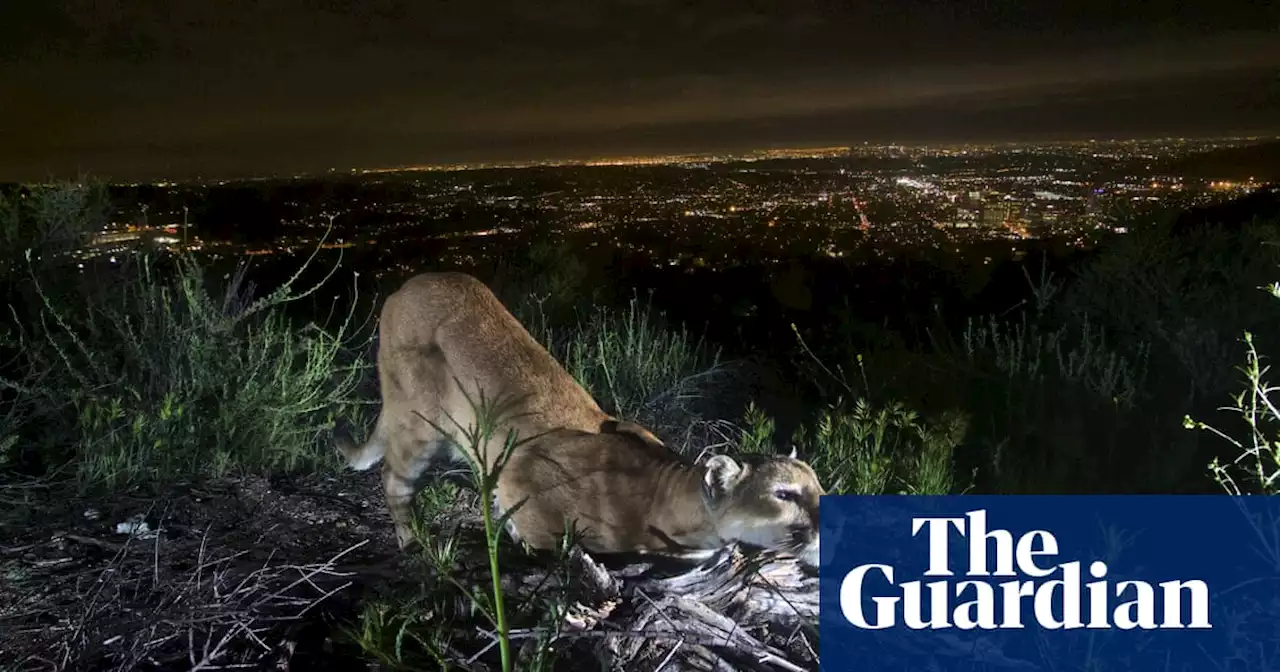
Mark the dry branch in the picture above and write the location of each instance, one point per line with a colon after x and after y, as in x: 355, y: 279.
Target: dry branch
x: 139, y: 610
x: 731, y: 612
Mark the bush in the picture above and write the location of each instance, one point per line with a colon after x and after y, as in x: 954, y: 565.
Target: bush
x: 1056, y: 404
x: 636, y: 367
x: 1051, y: 406
x: 39, y: 227
x: 49, y: 220
x: 1256, y: 467
x: 865, y: 448
x: 1254, y: 470
x: 859, y: 449
x: 151, y: 377
x: 758, y: 431
x: 1178, y: 292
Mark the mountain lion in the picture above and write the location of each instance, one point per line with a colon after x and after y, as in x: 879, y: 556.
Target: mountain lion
x: 445, y: 339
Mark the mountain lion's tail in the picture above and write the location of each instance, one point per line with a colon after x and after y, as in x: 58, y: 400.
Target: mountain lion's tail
x: 361, y: 457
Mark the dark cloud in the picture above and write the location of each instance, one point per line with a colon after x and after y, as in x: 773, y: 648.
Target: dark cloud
x: 129, y: 86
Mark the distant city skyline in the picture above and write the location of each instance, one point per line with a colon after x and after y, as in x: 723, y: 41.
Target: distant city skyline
x: 1201, y: 144
x: 1165, y: 145
x: 864, y: 203
x: 118, y: 89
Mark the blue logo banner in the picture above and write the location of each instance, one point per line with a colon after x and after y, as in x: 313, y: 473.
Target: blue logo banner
x: 1053, y: 583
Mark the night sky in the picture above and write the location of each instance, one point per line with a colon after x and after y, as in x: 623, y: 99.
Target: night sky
x: 153, y: 88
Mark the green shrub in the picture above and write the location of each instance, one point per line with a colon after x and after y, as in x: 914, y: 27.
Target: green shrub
x: 866, y: 448
x: 637, y: 367
x: 757, y: 433
x: 860, y: 449
x: 153, y: 378
x: 1255, y: 469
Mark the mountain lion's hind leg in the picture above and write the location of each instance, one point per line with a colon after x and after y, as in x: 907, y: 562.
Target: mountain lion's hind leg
x: 399, y: 492
x: 402, y: 476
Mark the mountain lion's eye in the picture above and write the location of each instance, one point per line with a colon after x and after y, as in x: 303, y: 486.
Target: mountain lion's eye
x: 785, y: 494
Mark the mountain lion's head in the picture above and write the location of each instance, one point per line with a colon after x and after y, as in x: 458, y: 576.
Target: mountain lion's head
x: 768, y: 501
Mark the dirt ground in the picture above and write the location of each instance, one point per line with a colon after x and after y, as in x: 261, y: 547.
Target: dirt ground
x: 243, y: 563
x: 255, y: 573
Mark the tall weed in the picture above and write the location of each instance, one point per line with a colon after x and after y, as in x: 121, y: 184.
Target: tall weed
x: 153, y: 377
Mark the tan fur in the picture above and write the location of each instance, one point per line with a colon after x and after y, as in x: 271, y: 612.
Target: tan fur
x: 625, y: 491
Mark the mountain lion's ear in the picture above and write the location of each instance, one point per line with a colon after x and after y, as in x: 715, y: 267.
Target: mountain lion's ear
x: 722, y: 473
x: 793, y: 452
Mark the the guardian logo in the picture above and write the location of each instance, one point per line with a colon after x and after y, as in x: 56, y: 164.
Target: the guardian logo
x: 1012, y: 583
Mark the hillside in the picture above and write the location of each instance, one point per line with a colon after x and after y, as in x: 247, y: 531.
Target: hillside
x: 169, y: 497
x: 1261, y: 162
